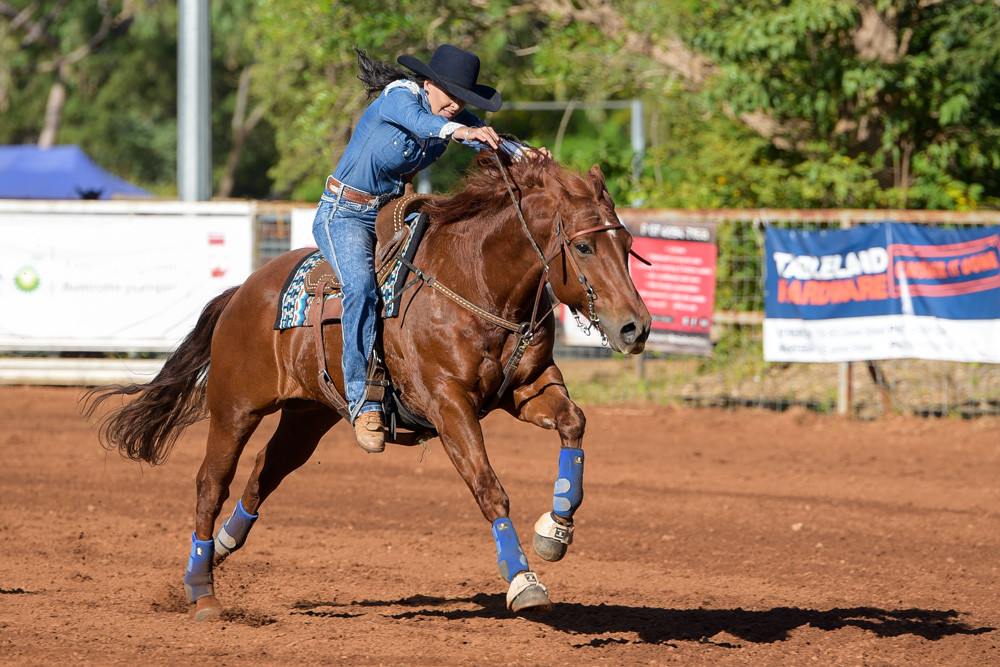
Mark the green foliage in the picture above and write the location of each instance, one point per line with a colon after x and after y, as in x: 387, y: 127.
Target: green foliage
x: 799, y: 111
x: 909, y: 120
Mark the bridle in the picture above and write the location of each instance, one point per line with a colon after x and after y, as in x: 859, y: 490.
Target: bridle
x: 526, y: 330
x: 565, y: 248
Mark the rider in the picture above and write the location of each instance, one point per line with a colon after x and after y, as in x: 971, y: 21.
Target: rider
x: 405, y: 129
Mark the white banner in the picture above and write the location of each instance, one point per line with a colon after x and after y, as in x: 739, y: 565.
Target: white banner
x: 116, y: 275
x: 882, y: 337
x: 301, y: 235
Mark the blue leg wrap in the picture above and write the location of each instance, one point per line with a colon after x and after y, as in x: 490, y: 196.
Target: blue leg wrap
x: 234, y: 531
x: 198, y: 578
x: 510, y: 558
x: 568, y: 492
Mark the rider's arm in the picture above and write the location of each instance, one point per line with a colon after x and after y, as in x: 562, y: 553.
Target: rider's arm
x: 402, y: 107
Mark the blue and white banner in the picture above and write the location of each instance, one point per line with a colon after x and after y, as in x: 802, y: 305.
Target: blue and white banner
x: 882, y: 291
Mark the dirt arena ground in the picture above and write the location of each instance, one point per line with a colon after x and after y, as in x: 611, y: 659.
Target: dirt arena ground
x: 706, y: 537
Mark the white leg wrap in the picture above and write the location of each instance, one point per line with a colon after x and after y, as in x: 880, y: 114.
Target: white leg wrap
x: 520, y: 583
x: 547, y: 526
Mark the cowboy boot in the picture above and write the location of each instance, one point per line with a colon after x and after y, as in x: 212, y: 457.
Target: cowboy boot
x: 369, y: 432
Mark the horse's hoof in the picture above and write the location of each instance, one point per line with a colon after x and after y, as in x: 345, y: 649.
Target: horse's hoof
x: 207, y: 609
x: 552, y: 538
x: 548, y: 548
x: 527, y: 596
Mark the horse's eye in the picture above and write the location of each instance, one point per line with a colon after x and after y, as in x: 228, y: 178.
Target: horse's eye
x: 583, y: 249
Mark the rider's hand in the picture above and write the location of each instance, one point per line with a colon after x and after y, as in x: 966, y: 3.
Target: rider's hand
x: 484, y: 135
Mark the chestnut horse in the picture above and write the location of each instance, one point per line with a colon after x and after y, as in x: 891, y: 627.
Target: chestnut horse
x: 493, y: 245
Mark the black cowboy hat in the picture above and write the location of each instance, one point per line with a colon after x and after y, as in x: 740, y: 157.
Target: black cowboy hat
x: 456, y: 70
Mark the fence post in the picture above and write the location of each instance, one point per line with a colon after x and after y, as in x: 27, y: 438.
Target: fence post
x: 845, y: 388
x: 845, y: 380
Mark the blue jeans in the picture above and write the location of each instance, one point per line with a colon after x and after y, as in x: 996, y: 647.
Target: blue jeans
x: 345, y: 234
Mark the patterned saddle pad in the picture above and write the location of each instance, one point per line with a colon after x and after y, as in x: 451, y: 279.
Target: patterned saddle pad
x: 300, y: 287
x: 297, y: 293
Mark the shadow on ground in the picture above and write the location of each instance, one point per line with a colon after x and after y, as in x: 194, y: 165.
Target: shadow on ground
x: 660, y: 626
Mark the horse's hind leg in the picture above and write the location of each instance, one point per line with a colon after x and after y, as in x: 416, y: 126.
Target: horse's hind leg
x: 546, y: 403
x: 228, y: 433
x: 294, y: 441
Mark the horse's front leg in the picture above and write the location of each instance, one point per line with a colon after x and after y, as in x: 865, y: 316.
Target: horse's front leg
x: 546, y: 402
x: 462, y: 438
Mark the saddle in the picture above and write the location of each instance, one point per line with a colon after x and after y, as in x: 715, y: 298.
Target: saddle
x: 398, y: 239
x: 393, y: 233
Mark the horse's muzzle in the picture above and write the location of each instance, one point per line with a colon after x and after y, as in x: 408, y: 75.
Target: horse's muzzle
x: 630, y: 337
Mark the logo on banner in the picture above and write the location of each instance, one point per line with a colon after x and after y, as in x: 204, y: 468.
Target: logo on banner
x: 26, y: 279
x: 810, y: 280
x: 945, y: 270
x: 899, y: 269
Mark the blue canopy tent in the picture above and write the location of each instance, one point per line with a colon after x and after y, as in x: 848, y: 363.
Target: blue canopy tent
x: 60, y: 172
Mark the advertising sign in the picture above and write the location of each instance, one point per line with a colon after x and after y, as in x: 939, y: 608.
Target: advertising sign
x: 678, y: 288
x: 302, y: 228
x: 110, y: 279
x: 882, y: 291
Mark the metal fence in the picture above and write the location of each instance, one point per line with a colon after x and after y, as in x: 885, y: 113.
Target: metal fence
x: 735, y: 374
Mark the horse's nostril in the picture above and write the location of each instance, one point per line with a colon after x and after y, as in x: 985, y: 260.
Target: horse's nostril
x: 628, y: 333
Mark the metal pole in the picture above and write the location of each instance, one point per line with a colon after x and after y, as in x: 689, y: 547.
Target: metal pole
x: 194, y: 121
x: 424, y: 181
x: 638, y: 142
x: 638, y: 153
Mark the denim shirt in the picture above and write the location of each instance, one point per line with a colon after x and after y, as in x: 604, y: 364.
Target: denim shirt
x: 397, y: 136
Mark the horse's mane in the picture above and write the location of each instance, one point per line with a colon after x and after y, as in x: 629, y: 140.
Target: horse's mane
x: 482, y: 191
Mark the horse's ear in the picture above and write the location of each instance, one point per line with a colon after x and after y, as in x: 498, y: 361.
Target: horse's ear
x: 596, y: 175
x: 596, y: 178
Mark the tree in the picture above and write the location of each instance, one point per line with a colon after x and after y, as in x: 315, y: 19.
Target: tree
x: 754, y: 103
x: 874, y: 102
x: 48, y: 40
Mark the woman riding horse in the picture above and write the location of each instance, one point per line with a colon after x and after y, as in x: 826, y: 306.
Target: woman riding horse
x: 405, y: 129
x: 475, y: 334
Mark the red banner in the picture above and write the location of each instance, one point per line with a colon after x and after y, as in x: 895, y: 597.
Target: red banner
x: 678, y: 287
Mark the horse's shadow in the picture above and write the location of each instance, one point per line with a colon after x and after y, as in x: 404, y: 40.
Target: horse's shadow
x: 655, y: 625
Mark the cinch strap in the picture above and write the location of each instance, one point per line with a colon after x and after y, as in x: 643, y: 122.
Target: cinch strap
x: 198, y: 578
x: 568, y: 492
x: 510, y: 557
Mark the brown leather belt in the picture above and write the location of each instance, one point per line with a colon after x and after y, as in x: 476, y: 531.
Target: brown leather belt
x: 352, y: 194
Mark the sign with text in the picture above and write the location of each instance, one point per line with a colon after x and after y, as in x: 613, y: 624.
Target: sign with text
x: 106, y: 277
x: 679, y: 286
x: 882, y: 291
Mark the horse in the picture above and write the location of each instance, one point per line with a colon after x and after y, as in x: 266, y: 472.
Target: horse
x: 475, y: 333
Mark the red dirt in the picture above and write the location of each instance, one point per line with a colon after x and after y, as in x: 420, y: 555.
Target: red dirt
x: 706, y: 537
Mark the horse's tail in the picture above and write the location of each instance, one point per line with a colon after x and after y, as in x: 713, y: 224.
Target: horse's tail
x: 146, y: 428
